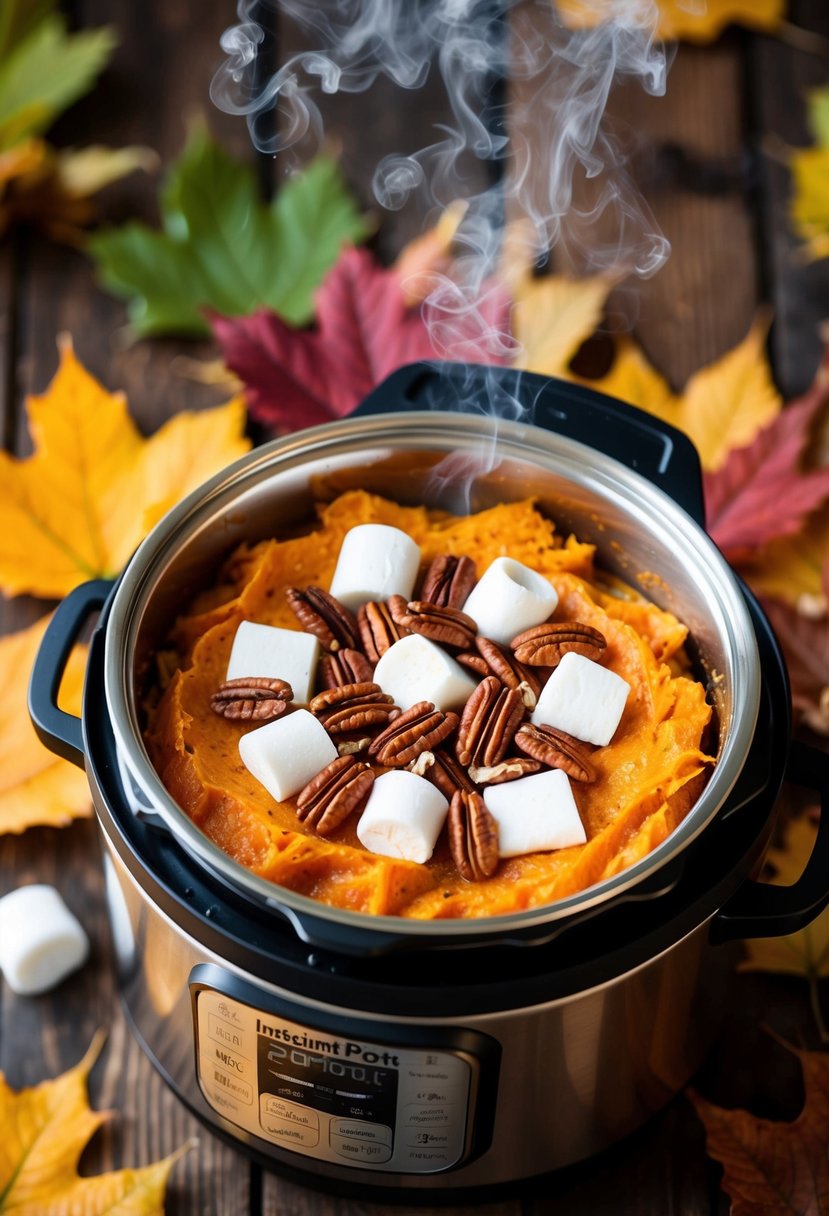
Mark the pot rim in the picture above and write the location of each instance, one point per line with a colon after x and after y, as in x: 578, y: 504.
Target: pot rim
x: 437, y: 431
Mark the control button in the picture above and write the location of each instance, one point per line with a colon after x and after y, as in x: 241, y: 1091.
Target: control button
x: 430, y: 1139
x: 289, y: 1133
x: 226, y: 1033
x: 428, y: 1093
x: 415, y: 1115
x: 220, y: 1081
x: 430, y: 1158
x: 358, y: 1150
x: 229, y: 1061
x: 288, y: 1111
x: 357, y: 1129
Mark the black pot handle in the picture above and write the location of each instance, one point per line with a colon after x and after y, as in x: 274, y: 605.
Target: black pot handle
x: 761, y: 909
x: 59, y: 731
x: 642, y: 442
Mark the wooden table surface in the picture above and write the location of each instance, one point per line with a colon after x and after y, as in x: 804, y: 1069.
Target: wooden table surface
x: 720, y: 196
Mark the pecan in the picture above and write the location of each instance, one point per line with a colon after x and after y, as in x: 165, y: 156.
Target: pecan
x: 350, y: 747
x: 353, y: 708
x: 473, y: 837
x: 557, y: 750
x: 503, y: 664
x: 448, y: 581
x: 421, y: 765
x: 418, y: 729
x: 448, y: 775
x: 252, y: 699
x: 489, y: 720
x: 546, y: 645
x: 345, y: 667
x: 473, y: 662
x: 341, y: 788
x: 379, y: 625
x: 508, y: 770
x: 329, y: 620
x: 448, y: 626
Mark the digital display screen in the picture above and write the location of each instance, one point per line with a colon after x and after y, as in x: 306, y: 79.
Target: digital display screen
x: 343, y: 1088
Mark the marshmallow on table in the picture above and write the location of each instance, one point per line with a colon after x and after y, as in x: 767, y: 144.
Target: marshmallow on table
x: 535, y: 814
x: 415, y: 669
x: 509, y: 598
x: 403, y: 817
x: 41, y: 942
x: 375, y: 561
x: 583, y: 699
x: 284, y: 755
x: 275, y: 654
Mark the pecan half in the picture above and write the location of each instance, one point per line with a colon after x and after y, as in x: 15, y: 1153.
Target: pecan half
x: 473, y: 662
x: 473, y: 837
x: 557, y: 750
x: 379, y: 625
x: 418, y: 729
x: 448, y: 581
x: 329, y: 620
x: 508, y: 770
x: 252, y: 699
x: 345, y: 667
x: 448, y: 775
x: 503, y: 664
x: 336, y: 792
x: 488, y: 723
x: 546, y: 645
x: 353, y: 708
x: 448, y: 626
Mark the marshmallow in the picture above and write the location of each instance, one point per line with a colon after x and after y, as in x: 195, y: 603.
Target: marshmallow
x: 375, y: 561
x: 275, y: 654
x: 415, y: 669
x: 41, y: 942
x: 583, y: 699
x: 535, y: 814
x: 509, y: 598
x: 284, y: 755
x: 403, y: 817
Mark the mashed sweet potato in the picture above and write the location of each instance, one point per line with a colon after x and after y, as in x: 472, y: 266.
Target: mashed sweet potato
x: 648, y: 776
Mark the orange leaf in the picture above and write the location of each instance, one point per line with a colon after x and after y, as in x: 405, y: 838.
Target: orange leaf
x: 428, y: 255
x: 694, y: 22
x: 771, y: 1167
x: 35, y: 786
x: 80, y: 505
x: 43, y: 1131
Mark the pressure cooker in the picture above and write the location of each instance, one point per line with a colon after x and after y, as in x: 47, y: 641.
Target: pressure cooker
x: 405, y: 1059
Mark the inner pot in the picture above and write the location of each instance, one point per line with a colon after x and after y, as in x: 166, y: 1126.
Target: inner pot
x: 456, y: 463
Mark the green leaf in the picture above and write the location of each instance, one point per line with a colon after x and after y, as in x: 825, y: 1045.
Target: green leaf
x: 818, y: 103
x: 44, y: 73
x: 17, y: 20
x: 221, y: 248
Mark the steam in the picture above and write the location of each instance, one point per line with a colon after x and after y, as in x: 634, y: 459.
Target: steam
x: 579, y: 201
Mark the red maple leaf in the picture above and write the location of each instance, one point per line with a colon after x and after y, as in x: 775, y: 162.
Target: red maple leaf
x: 805, y: 642
x: 762, y: 492
x: 296, y: 378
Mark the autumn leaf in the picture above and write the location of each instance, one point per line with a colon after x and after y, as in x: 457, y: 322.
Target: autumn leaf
x: 221, y: 248
x: 552, y: 316
x: 631, y: 378
x: 36, y: 787
x: 364, y: 331
x: 805, y: 641
x: 794, y: 569
x: 43, y: 1131
x: 692, y: 22
x: 771, y: 1167
x: 78, y: 507
x: 428, y: 255
x: 810, y: 180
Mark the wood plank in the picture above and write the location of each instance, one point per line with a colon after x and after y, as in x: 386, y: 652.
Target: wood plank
x: 282, y: 1198
x: 781, y: 75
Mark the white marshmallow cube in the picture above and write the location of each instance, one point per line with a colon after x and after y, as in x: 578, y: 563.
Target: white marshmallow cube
x: 41, y: 942
x: 535, y: 814
x: 509, y: 598
x: 582, y: 698
x: 403, y: 817
x: 285, y: 754
x: 375, y: 561
x: 415, y: 669
x: 275, y: 654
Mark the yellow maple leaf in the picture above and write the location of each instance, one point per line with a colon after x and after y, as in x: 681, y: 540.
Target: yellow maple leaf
x: 36, y: 787
x: 792, y: 569
x: 696, y: 21
x: 552, y: 316
x: 810, y: 199
x: 43, y: 1131
x: 78, y: 507
x: 632, y: 379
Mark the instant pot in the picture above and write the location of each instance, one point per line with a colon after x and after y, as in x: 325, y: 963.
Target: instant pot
x: 397, y: 1058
